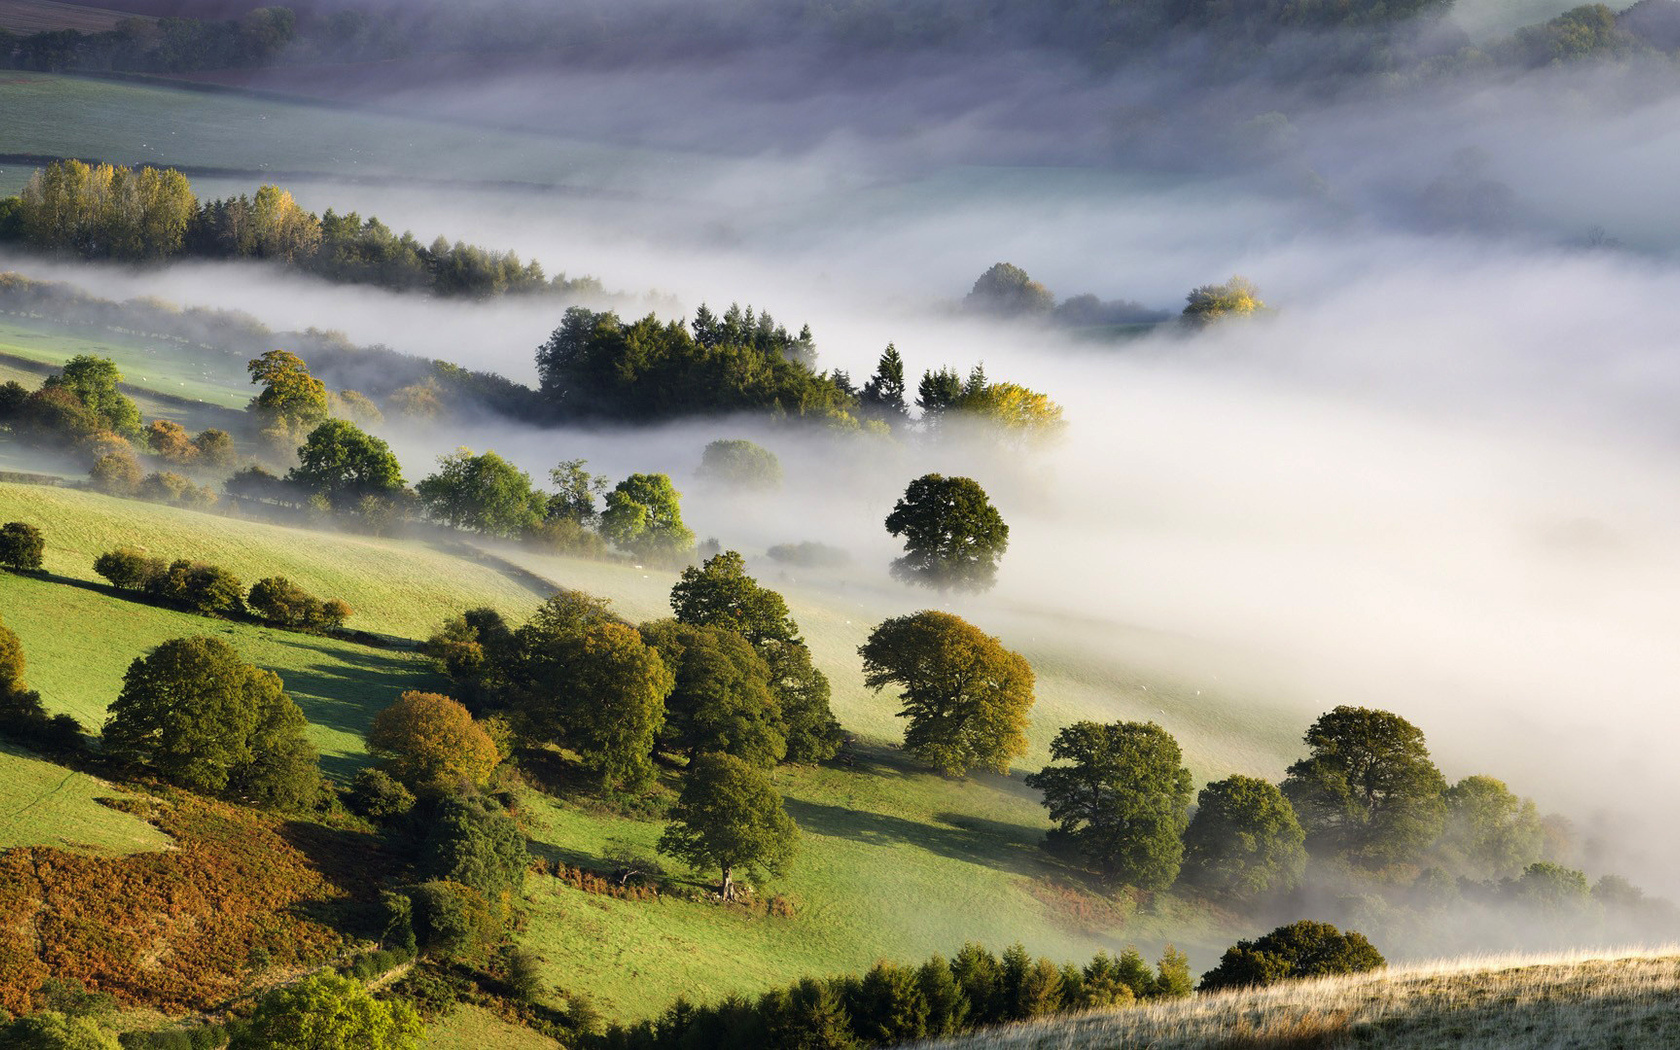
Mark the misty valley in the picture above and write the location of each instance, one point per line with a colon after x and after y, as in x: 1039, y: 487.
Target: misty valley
x: 762, y: 524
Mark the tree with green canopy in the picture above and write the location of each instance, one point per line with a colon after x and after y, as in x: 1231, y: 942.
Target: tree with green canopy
x: 473, y: 841
x: 883, y: 393
x: 326, y: 1011
x: 291, y: 401
x: 196, y: 714
x: 643, y: 515
x: 94, y: 380
x: 1491, y: 832
x: 729, y: 817
x: 721, y: 593
x: 965, y: 695
x: 1123, y: 799
x: 1300, y: 949
x: 345, y: 465
x: 953, y: 536
x: 1244, y: 841
x: 1237, y: 297
x: 574, y: 494
x: 582, y: 677
x: 21, y: 546
x: 482, y: 493
x: 52, y: 1030
x: 431, y: 743
x: 740, y: 464
x: 1005, y: 290
x: 1368, y: 791
x: 722, y: 700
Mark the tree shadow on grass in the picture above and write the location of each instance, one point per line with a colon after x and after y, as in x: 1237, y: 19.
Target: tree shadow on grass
x: 992, y: 844
x: 343, y: 688
x: 354, y: 863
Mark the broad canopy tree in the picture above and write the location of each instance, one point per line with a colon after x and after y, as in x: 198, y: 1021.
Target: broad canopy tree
x: 1301, y: 949
x: 482, y: 493
x: 1244, y: 841
x: 953, y: 536
x: 1368, y: 791
x: 730, y: 818
x: 431, y: 743
x: 723, y: 701
x: 644, y: 516
x: 341, y: 463
x: 966, y: 697
x: 1122, y: 800
x: 199, y: 716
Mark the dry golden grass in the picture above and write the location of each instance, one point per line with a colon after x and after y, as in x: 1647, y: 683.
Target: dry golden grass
x: 1583, y: 1001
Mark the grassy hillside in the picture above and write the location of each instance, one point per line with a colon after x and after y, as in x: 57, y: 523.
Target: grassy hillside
x: 397, y: 587
x: 338, y: 685
x: 216, y: 379
x: 1585, y: 1002
x: 134, y: 123
x: 474, y: 1028
x: 42, y: 804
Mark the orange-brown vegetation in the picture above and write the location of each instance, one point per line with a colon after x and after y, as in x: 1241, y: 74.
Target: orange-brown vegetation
x: 182, y: 929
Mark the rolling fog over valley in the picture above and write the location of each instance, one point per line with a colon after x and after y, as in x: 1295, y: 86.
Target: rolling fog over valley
x: 1319, y: 361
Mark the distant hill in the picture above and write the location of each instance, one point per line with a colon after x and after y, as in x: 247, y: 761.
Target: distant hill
x: 1583, y: 1001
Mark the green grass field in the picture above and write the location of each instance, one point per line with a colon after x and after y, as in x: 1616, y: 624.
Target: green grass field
x: 135, y: 123
x: 217, y: 379
x: 42, y: 804
x: 474, y: 1028
x: 395, y: 587
x: 338, y: 685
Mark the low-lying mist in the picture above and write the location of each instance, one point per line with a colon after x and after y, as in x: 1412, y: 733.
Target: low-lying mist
x: 1438, y: 478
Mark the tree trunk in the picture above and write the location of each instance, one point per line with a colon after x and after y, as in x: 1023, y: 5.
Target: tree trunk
x: 728, y: 884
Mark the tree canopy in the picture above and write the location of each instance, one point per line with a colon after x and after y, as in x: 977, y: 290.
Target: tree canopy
x: 644, y: 516
x: 431, y: 742
x: 722, y: 700
x: 953, y: 536
x: 965, y: 695
x: 1122, y: 800
x: 482, y: 493
x: 198, y: 715
x: 1300, y: 949
x: 328, y: 1012
x: 94, y: 380
x: 1244, y: 841
x: 740, y: 464
x: 1005, y: 290
x: 1237, y: 297
x: 729, y: 817
x: 341, y: 463
x: 1368, y: 790
x: 1490, y: 831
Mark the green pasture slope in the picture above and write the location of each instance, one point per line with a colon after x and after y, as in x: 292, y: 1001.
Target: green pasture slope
x: 42, y: 804
x: 276, y: 140
x: 897, y: 862
x: 194, y: 374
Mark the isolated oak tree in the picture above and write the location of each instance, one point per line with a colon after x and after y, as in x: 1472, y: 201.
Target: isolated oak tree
x: 21, y: 546
x: 953, y: 536
x: 643, y: 516
x: 740, y: 464
x: 95, y: 381
x: 1122, y: 799
x: 729, y: 817
x: 1244, y: 841
x: 966, y: 697
x: 1368, y: 791
x: 341, y: 463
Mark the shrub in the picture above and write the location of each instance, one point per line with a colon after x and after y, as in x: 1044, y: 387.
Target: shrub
x: 524, y: 975
x: 1301, y: 949
x: 116, y: 473
x: 127, y: 567
x: 175, y: 490
x: 51, y: 1030
x: 21, y: 546
x: 454, y: 922
x: 327, y: 1010
x: 377, y: 795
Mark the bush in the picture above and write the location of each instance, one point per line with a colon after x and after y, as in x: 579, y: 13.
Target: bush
x: 524, y: 975
x: 21, y: 546
x: 200, y: 587
x: 116, y: 473
x: 175, y: 490
x: 1301, y: 949
x: 285, y: 604
x: 127, y: 567
x: 376, y: 795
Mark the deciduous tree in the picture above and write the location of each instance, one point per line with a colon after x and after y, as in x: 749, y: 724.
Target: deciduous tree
x: 729, y: 817
x: 953, y: 536
x: 643, y: 516
x: 1123, y: 800
x: 1490, y: 832
x: 431, y: 742
x: 329, y: 1012
x: 21, y: 546
x: 740, y: 464
x: 1368, y: 791
x: 483, y: 493
x: 340, y: 462
x: 1244, y: 841
x: 1301, y: 949
x: 965, y: 695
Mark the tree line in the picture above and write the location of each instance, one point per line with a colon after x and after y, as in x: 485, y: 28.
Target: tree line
x: 106, y: 211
